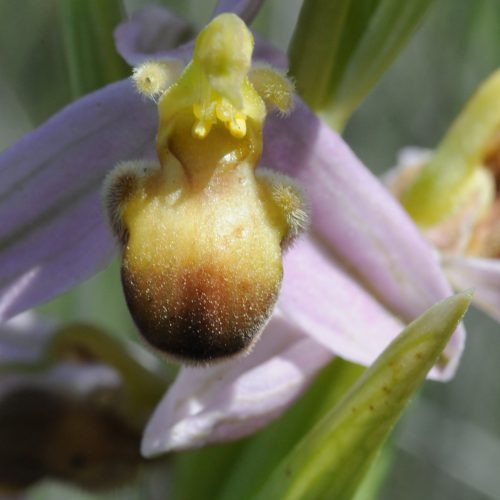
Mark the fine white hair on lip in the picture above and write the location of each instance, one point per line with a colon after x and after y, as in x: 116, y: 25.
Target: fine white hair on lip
x: 118, y: 185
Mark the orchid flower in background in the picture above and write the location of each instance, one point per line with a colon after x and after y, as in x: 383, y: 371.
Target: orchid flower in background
x: 350, y: 285
x: 452, y: 194
x: 73, y: 404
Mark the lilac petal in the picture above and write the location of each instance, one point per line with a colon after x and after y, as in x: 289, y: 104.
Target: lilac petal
x: 246, y: 9
x: 355, y: 215
x: 52, y: 230
x: 153, y: 32
x: 237, y: 397
x: 483, y: 275
x: 323, y: 299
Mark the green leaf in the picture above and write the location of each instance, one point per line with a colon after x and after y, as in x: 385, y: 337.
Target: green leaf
x: 209, y: 466
x: 374, y: 479
x: 332, y: 459
x: 32, y: 62
x: 91, y: 56
x: 341, y: 48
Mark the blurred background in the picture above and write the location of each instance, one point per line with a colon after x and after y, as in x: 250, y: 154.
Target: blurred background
x: 448, y: 443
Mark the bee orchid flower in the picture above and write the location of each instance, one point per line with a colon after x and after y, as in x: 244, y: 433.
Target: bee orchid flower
x: 350, y: 283
x: 453, y: 195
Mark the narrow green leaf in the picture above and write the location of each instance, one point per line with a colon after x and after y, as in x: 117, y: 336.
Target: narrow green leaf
x: 91, y: 56
x: 375, y: 477
x: 332, y: 459
x: 315, y: 48
x: 341, y: 48
x: 32, y: 60
x: 210, y: 466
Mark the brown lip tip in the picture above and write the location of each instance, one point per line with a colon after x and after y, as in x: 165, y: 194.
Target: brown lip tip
x: 205, y: 323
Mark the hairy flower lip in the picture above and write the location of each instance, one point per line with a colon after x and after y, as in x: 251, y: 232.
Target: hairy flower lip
x: 202, y: 234
x: 195, y: 336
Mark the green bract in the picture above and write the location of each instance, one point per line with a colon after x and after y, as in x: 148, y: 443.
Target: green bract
x: 331, y: 460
